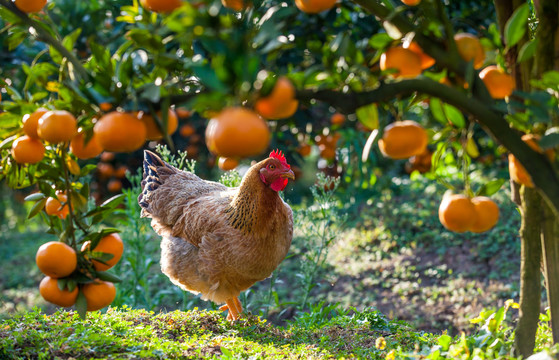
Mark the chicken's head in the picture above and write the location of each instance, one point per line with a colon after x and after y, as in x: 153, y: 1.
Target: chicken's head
x: 275, y: 171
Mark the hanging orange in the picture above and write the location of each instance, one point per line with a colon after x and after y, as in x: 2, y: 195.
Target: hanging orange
x: 120, y: 132
x: 26, y: 150
x: 403, y: 139
x: 57, y: 126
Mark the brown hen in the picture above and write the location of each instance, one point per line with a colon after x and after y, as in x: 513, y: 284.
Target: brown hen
x: 218, y: 241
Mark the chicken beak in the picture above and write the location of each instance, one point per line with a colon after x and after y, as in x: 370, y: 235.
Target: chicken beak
x: 288, y: 175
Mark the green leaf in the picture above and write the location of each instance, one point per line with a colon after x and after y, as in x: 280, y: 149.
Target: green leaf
x: 527, y: 50
x: 368, y: 116
x: 444, y: 342
x: 454, y: 116
x: 380, y: 41
x: 490, y: 187
x: 105, y: 276
x: 551, y: 139
x: 515, y: 28
x: 436, y: 107
x: 35, y: 197
x: 37, y: 207
x: 81, y: 305
x: 113, y: 202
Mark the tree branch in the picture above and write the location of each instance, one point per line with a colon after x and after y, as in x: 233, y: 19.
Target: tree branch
x: 537, y: 165
x: 44, y: 36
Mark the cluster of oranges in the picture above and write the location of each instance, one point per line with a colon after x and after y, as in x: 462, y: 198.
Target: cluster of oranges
x: 459, y: 213
x: 517, y: 172
x: 238, y: 132
x: 409, y: 61
x: 58, y: 261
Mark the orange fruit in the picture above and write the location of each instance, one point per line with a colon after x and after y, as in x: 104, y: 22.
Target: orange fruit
x: 280, y: 103
x: 226, y: 163
x: 327, y: 152
x: 314, y: 6
x: 110, y: 244
x: 337, y: 119
x: 403, y: 139
x: 304, y: 150
x: 84, y: 150
x: 406, y: 62
x: 470, y: 48
x: 99, y: 294
x: 517, y: 171
x: 105, y: 106
x: 457, y: 213
x: 114, y: 185
x: 421, y: 162
x: 56, y: 259
x: 426, y: 60
x: 54, y: 206
x: 105, y: 170
x: 161, y: 6
x: 26, y: 150
x: 497, y: 81
x: 120, y: 132
x: 487, y: 214
x: 30, y: 6
x: 187, y: 130
x: 57, y: 126
x: 237, y: 132
x: 49, y: 290
x: 107, y: 156
x: 153, y: 131
x: 120, y: 172
x: 411, y: 2
x: 183, y: 113
x: 236, y: 5
x: 31, y: 122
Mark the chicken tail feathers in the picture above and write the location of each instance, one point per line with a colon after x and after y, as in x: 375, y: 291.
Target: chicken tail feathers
x: 154, y: 167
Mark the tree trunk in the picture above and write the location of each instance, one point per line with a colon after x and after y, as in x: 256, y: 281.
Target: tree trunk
x: 530, y: 276
x: 550, y: 247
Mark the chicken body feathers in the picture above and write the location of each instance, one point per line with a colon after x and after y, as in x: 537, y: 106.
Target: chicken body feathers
x: 217, y: 241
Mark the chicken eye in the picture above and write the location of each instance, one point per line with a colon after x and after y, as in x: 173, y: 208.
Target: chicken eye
x: 271, y: 167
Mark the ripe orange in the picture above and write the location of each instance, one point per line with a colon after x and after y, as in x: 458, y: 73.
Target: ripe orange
x: 183, y: 113
x: 115, y: 185
x: 153, y: 132
x: 236, y: 5
x: 54, y: 206
x: 304, y: 150
x: 31, y: 122
x: 237, y: 132
x: 498, y: 82
x: 226, y: 163
x: 30, y: 6
x: 470, y: 48
x: 487, y: 214
x: 337, y: 119
x: 120, y: 132
x: 110, y: 244
x: 26, y: 150
x: 49, y: 290
x: 84, y: 150
x: 105, y: 170
x: 186, y: 130
x: 161, y: 6
x: 403, y: 139
x: 105, y: 106
x: 327, y: 152
x: 107, y: 156
x: 314, y: 6
x: 120, y: 172
x: 457, y: 213
x: 280, y: 103
x: 406, y: 62
x: 517, y: 171
x: 99, y: 294
x: 56, y: 259
x: 57, y: 126
x: 411, y: 2
x: 426, y: 60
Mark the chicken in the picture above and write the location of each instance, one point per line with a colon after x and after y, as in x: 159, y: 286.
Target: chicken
x: 218, y: 241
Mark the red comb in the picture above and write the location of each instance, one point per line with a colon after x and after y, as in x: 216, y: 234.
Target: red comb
x: 277, y: 154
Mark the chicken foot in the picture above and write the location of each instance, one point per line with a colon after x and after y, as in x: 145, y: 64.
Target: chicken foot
x: 235, y: 308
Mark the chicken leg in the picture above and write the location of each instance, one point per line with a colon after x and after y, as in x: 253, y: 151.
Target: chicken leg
x: 235, y: 308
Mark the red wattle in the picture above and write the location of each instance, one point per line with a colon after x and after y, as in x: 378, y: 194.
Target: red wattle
x: 279, y: 184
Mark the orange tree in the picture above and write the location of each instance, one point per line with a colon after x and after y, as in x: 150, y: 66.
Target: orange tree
x: 374, y: 61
